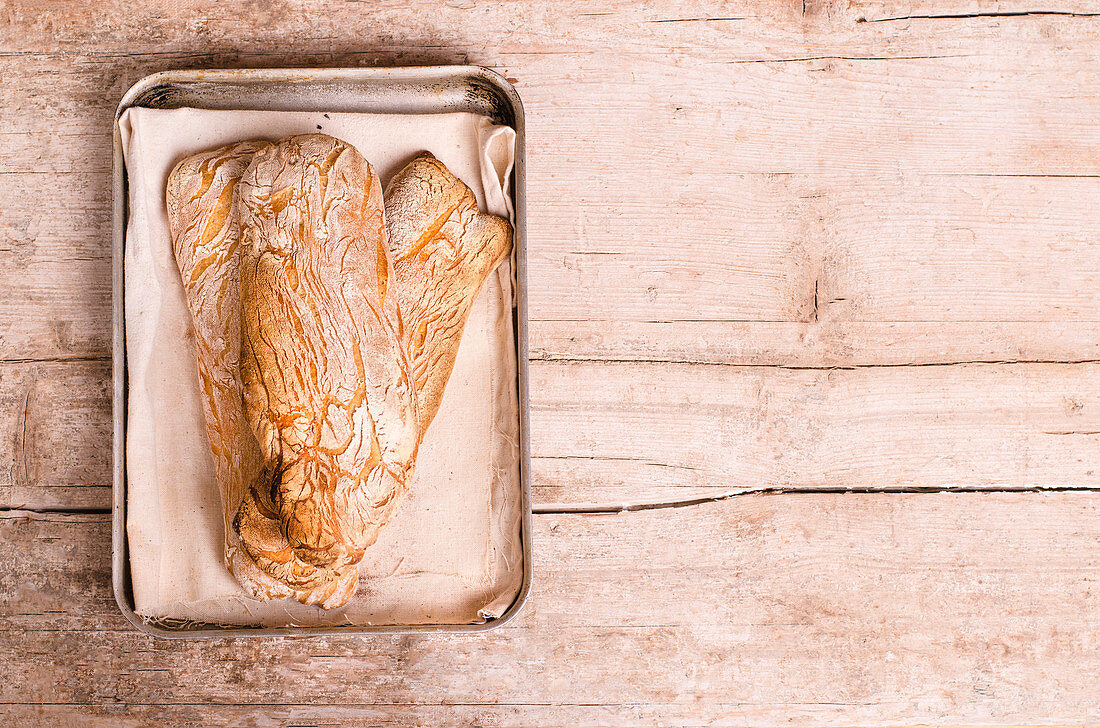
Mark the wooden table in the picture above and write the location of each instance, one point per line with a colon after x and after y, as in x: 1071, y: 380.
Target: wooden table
x: 815, y: 328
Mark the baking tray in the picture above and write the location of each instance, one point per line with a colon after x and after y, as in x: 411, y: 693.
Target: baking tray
x: 432, y: 89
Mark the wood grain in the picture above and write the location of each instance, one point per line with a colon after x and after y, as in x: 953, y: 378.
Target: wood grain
x: 866, y: 186
x: 828, y: 609
x: 643, y: 432
x: 55, y: 447
x: 626, y: 433
x: 794, y: 244
x: 820, y: 344
x: 611, y: 26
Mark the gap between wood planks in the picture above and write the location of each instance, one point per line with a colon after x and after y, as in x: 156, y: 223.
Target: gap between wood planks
x: 57, y: 359
x: 625, y: 507
x: 980, y: 14
x: 617, y: 508
x: 563, y: 359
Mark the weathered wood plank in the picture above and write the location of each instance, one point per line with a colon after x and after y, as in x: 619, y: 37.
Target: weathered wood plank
x: 379, y: 714
x: 806, y: 114
x: 815, y: 344
x: 772, y: 249
x: 830, y: 247
x: 682, y: 714
x: 633, y: 433
x: 55, y: 266
x: 1029, y: 261
x: 835, y: 609
x: 840, y: 174
x: 642, y: 432
x: 55, y: 420
x: 332, y: 25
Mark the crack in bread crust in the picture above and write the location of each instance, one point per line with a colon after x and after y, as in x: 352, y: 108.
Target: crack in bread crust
x: 327, y: 324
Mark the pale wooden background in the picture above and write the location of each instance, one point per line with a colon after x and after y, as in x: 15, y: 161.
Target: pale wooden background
x: 798, y: 247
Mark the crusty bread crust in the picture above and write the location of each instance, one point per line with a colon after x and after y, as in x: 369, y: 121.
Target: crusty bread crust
x: 327, y: 324
x: 442, y: 250
x: 202, y: 220
x: 325, y: 381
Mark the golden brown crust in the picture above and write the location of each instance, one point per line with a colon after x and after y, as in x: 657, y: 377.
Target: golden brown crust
x: 202, y: 220
x: 442, y: 250
x: 347, y: 318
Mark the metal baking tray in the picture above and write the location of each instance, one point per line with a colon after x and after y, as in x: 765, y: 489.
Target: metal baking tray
x: 431, y: 89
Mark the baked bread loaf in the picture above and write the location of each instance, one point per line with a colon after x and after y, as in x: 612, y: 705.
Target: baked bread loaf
x: 202, y: 220
x: 326, y: 387
x: 442, y: 249
x: 348, y: 314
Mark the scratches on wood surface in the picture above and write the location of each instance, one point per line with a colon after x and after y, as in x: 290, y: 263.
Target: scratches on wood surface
x: 806, y: 59
x: 57, y: 422
x: 823, y: 345
x: 698, y: 20
x: 26, y: 480
x: 53, y: 359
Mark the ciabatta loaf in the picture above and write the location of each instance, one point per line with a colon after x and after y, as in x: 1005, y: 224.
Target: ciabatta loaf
x: 349, y: 312
x: 442, y: 250
x: 326, y: 385
x: 202, y: 220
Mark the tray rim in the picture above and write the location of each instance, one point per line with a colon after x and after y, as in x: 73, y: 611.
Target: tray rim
x: 444, y: 75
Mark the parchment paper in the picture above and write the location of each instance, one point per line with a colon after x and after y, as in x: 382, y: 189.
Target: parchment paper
x: 452, y: 553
